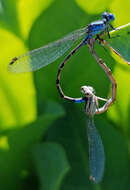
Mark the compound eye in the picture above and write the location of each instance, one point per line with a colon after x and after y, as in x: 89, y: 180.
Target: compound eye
x: 111, y: 17
x: 82, y: 89
x: 108, y: 16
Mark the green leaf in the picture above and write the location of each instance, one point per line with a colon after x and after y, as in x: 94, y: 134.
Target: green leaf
x: 117, y: 159
x: 20, y: 96
x: 17, y: 92
x: 94, y: 6
x: 13, y: 18
x: 121, y: 11
x: 51, y: 165
x: 8, y: 16
x: 15, y: 147
x: 73, y: 137
x: 118, y: 112
x: 32, y: 10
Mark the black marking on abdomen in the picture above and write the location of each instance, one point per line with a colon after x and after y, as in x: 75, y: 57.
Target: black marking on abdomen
x: 13, y: 60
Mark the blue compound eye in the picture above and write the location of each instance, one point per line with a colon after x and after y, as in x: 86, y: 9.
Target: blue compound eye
x: 108, y: 16
x: 111, y: 17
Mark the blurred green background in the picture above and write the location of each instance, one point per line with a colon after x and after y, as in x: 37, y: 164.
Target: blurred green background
x: 43, y: 142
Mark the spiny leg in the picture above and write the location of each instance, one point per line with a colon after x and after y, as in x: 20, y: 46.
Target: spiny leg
x: 109, y: 75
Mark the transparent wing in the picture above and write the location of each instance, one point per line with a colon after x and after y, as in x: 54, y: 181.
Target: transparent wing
x: 96, y: 152
x: 45, y: 55
x: 119, y: 43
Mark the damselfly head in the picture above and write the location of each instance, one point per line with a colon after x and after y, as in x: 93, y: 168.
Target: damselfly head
x: 108, y: 16
x: 88, y: 91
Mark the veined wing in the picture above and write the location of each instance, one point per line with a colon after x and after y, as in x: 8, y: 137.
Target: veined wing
x: 38, y: 58
x: 96, y: 152
x: 119, y: 43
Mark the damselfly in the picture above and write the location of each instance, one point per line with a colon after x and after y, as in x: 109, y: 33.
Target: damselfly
x: 96, y: 149
x: 108, y: 73
x: 47, y: 54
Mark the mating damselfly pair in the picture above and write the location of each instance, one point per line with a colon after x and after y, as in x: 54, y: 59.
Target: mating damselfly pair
x: 96, y: 150
x: 41, y: 57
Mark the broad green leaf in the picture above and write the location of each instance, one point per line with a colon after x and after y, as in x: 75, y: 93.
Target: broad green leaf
x: 121, y: 11
x: 16, y: 145
x: 51, y: 165
x: 94, y: 6
x: 8, y: 16
x: 119, y: 111
x: 17, y: 92
x: 19, y: 15
x: 117, y: 160
x: 28, y: 12
x: 73, y: 137
x: 18, y: 99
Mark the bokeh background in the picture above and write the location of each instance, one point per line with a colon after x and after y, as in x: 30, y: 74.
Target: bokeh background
x: 43, y: 142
